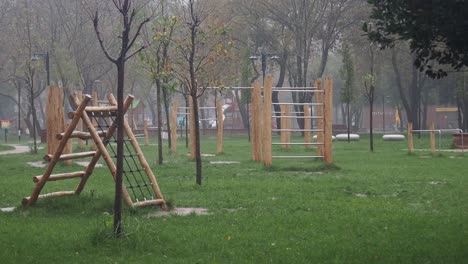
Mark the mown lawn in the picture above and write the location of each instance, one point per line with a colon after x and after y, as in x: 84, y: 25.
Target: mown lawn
x: 381, y: 207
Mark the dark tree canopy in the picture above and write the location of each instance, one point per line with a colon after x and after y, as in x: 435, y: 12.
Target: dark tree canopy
x: 436, y: 30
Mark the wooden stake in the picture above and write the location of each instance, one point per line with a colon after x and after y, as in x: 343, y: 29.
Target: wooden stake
x: 256, y: 122
x: 307, y: 126
x: 287, y: 123
x: 81, y: 143
x: 145, y: 131
x: 267, y: 155
x: 68, y: 148
x: 283, y: 126
x: 328, y: 120
x: 220, y: 125
x: 433, y: 143
x: 95, y: 104
x: 175, y: 110
x: 318, y: 98
x: 55, y: 120
x: 410, y: 138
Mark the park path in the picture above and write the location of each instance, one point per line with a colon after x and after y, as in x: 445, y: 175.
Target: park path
x: 18, y: 149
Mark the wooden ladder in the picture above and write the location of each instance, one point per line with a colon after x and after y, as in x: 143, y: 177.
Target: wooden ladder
x: 101, y: 138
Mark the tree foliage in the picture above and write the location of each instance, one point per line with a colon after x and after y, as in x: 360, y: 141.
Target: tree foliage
x: 436, y: 31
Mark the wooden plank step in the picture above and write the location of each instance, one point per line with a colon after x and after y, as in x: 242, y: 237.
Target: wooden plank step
x: 111, y: 108
x: 81, y: 135
x: 61, y: 176
x: 78, y: 155
x: 149, y: 203
x: 46, y: 195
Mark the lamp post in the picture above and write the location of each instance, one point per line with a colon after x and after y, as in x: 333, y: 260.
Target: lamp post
x: 19, y: 111
x: 45, y: 56
x: 264, y: 61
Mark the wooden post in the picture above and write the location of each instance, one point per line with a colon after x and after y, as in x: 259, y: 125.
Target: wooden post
x: 54, y: 114
x: 307, y: 126
x: 287, y: 122
x: 256, y: 122
x: 433, y: 143
x: 220, y: 125
x: 175, y: 110
x: 55, y: 120
x: 68, y: 148
x: 95, y: 102
x: 410, y: 138
x: 328, y: 120
x: 192, y: 130
x: 318, y: 98
x: 81, y: 143
x: 145, y: 131
x: 283, y: 126
x: 267, y: 93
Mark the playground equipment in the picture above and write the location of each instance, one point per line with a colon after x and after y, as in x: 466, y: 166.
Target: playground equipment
x: 393, y: 137
x: 344, y: 137
x: 432, y: 132
x: 262, y: 129
x: 140, y: 186
x: 219, y: 122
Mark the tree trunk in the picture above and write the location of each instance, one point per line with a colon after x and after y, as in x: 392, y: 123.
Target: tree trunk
x: 120, y: 149
x: 160, y: 125
x: 168, y: 119
x: 348, y: 121
x: 197, y: 141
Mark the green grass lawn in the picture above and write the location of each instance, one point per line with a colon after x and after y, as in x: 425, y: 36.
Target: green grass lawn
x: 381, y: 207
x: 3, y: 148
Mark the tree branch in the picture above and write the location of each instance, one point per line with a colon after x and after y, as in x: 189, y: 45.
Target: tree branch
x: 99, y: 37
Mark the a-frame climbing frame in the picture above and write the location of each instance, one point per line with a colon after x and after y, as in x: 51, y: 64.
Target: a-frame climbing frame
x: 140, y: 187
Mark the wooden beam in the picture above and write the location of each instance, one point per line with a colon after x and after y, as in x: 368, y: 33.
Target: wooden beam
x: 61, y: 176
x: 78, y: 155
x: 160, y: 202
x: 81, y: 135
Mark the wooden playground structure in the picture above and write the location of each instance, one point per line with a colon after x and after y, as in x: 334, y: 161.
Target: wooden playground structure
x: 317, y: 121
x: 140, y: 187
x: 321, y: 126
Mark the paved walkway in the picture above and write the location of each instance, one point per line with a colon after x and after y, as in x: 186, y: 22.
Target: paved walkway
x: 18, y: 149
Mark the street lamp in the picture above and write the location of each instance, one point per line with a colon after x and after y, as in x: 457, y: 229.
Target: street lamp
x: 45, y: 56
x: 264, y: 61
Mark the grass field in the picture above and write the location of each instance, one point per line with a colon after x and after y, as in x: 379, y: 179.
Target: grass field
x: 3, y: 148
x: 381, y: 207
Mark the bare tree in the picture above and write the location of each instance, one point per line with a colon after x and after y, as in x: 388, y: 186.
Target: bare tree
x: 200, y: 48
x: 128, y: 13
